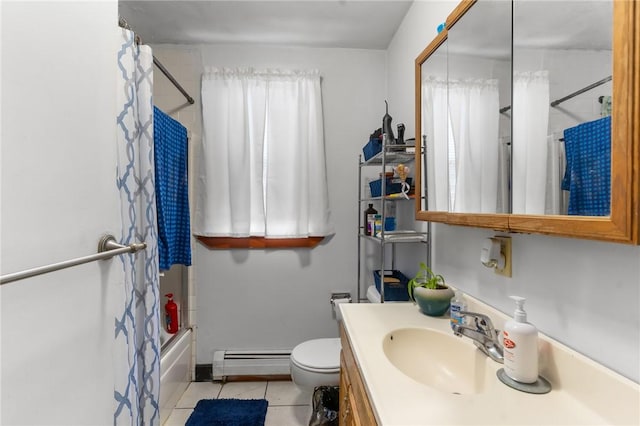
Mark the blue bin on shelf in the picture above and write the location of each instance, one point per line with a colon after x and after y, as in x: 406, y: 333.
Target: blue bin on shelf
x: 393, y: 291
x: 372, y: 147
x: 393, y: 186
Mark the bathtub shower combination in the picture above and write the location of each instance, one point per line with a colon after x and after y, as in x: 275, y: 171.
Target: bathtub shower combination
x: 153, y: 186
x: 175, y: 370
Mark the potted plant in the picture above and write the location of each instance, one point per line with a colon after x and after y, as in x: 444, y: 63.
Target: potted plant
x: 430, y: 292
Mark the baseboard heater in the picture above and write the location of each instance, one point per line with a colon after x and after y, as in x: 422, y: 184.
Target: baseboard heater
x: 250, y: 363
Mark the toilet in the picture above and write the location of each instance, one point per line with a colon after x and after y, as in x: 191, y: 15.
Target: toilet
x: 317, y: 362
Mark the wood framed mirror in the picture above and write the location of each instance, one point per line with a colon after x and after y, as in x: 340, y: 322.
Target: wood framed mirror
x: 618, y: 220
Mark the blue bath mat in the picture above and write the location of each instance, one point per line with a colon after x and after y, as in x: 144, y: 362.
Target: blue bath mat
x: 228, y: 412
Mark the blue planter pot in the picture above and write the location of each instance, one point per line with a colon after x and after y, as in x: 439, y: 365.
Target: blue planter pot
x: 434, y: 303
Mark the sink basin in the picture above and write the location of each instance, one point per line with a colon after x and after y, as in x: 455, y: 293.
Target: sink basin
x: 442, y: 361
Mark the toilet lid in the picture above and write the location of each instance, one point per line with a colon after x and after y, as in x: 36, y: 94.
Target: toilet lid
x: 318, y: 354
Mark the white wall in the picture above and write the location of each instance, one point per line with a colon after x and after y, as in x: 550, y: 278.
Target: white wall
x: 58, y: 197
x: 261, y: 299
x: 583, y: 293
x: 569, y: 70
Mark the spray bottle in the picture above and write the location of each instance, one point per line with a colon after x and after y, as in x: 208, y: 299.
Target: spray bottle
x: 171, y: 314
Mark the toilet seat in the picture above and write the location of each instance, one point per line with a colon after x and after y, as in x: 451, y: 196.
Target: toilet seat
x: 318, y: 355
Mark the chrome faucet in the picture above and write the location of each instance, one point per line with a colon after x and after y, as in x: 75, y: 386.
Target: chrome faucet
x: 483, y: 334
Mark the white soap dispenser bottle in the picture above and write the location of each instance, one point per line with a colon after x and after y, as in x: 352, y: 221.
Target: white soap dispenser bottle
x: 520, y: 341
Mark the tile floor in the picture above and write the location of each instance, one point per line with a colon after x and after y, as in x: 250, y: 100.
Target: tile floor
x: 288, y: 405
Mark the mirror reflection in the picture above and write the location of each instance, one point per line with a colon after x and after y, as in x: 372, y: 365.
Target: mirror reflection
x: 479, y: 76
x: 467, y: 137
x: 516, y: 115
x: 434, y: 130
x: 562, y: 67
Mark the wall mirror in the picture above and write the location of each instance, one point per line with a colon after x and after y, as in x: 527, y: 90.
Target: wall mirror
x: 552, y: 144
x: 434, y: 110
x: 562, y: 92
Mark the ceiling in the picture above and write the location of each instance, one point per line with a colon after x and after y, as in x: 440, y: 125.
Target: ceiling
x: 564, y: 24
x: 314, y: 23
x: 486, y: 29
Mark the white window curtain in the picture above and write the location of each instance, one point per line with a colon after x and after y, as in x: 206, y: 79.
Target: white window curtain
x: 530, y: 133
x: 474, y: 114
x: 262, y: 168
x: 435, y: 128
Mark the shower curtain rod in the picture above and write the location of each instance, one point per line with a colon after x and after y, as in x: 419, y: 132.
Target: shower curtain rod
x: 569, y: 96
x: 124, y: 24
x: 107, y: 248
x: 172, y: 80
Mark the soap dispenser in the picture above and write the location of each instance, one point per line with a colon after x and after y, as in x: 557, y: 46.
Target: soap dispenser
x: 520, y: 341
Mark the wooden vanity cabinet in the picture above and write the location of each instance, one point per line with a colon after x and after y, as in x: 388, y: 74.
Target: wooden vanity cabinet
x: 355, y: 408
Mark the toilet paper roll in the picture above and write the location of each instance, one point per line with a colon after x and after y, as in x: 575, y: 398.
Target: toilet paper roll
x: 339, y: 301
x: 336, y: 309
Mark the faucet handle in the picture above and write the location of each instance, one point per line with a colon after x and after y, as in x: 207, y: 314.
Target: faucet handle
x: 482, y: 322
x: 484, y: 336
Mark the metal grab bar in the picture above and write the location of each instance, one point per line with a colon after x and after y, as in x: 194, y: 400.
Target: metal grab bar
x: 107, y: 248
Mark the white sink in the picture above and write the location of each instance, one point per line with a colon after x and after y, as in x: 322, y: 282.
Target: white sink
x: 427, y: 376
x: 444, y: 362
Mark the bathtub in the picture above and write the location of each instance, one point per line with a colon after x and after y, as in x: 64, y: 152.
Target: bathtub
x: 175, y: 371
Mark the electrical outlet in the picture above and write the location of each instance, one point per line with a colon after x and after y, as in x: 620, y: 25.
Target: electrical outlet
x: 505, y: 250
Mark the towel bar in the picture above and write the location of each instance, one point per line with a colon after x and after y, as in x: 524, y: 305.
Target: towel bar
x: 107, y: 248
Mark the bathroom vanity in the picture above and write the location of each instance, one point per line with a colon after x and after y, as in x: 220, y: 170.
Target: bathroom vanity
x: 400, y: 367
x: 355, y: 408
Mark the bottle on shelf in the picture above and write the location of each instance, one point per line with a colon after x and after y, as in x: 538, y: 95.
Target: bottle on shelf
x: 369, y: 216
x: 389, y: 216
x: 376, y: 227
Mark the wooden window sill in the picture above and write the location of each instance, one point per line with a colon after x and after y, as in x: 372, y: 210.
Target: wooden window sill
x: 258, y: 242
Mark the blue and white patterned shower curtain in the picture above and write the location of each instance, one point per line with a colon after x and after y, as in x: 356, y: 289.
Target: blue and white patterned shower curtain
x: 137, y: 358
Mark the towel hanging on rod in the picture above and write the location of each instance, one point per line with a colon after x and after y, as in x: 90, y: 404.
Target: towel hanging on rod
x: 172, y: 190
x: 588, y: 170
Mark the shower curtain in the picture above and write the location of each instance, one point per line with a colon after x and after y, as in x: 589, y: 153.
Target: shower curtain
x: 556, y: 200
x: 504, y: 176
x: 530, y: 131
x: 137, y: 344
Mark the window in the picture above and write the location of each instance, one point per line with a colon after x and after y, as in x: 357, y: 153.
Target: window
x: 262, y: 168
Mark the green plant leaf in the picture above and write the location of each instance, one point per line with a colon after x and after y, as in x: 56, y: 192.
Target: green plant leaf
x: 425, y: 278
